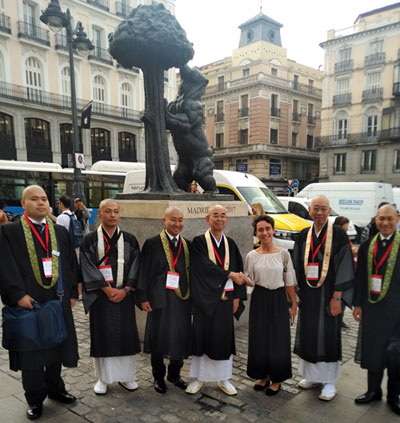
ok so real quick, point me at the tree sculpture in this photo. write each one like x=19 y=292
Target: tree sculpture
x=152 y=39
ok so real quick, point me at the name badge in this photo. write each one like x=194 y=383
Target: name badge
x=106 y=271
x=172 y=280
x=47 y=267
x=376 y=284
x=312 y=271
x=228 y=285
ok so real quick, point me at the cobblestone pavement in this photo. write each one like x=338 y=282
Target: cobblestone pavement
x=211 y=404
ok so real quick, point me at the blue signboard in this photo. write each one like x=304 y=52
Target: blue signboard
x=242 y=167
x=274 y=169
x=295 y=183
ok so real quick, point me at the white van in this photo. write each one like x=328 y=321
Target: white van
x=299 y=206
x=358 y=201
x=247 y=188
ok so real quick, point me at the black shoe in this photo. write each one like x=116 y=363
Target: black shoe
x=270 y=392
x=63 y=397
x=368 y=397
x=394 y=405
x=34 y=411
x=258 y=387
x=179 y=382
x=160 y=386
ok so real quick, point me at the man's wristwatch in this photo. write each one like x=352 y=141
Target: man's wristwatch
x=337 y=298
x=126 y=290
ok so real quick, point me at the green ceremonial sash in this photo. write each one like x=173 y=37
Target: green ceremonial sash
x=389 y=269
x=32 y=252
x=165 y=245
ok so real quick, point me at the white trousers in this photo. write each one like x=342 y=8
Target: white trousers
x=320 y=372
x=207 y=370
x=115 y=369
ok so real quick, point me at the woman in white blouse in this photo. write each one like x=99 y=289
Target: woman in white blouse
x=270 y=270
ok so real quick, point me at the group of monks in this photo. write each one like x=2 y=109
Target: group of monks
x=191 y=291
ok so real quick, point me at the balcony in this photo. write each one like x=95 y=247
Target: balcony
x=311 y=120
x=102 y=4
x=244 y=112
x=122 y=9
x=396 y=88
x=342 y=99
x=275 y=112
x=344 y=66
x=5 y=25
x=374 y=59
x=296 y=117
x=307 y=89
x=41 y=98
x=373 y=94
x=219 y=117
x=371 y=137
x=33 y=32
x=101 y=55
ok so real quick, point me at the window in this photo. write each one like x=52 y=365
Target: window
x=342 y=129
x=241 y=165
x=126 y=98
x=67 y=144
x=243 y=136
x=245 y=72
x=2 y=69
x=296 y=81
x=340 y=163
x=299 y=210
x=373 y=81
x=397 y=160
x=311 y=86
x=7 y=140
x=227 y=190
x=244 y=106
x=33 y=78
x=97 y=37
x=127 y=146
x=221 y=83
x=99 y=93
x=101 y=144
x=273 y=136
x=66 y=81
x=220 y=111
x=274 y=71
x=342 y=86
x=295 y=106
x=310 y=142
x=295 y=136
x=29 y=13
x=372 y=126
x=38 y=142
x=274 y=105
x=368 y=160
x=219 y=140
x=376 y=47
x=345 y=54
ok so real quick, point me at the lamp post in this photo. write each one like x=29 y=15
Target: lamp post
x=56 y=20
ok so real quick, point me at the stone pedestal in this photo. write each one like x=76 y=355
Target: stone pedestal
x=143 y=218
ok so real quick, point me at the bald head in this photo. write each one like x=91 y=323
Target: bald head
x=217 y=209
x=172 y=209
x=386 y=220
x=35 y=202
x=108 y=202
x=109 y=214
x=320 y=199
x=173 y=220
x=31 y=188
x=217 y=219
x=320 y=211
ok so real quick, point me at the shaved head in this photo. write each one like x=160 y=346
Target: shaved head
x=172 y=209
x=386 y=220
x=108 y=202
x=31 y=188
x=320 y=199
x=388 y=208
x=217 y=208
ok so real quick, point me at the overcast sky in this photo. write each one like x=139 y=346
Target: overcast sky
x=212 y=25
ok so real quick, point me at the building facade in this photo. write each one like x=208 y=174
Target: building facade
x=35 y=103
x=262 y=110
x=360 y=123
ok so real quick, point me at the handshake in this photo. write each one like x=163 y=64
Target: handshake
x=240 y=278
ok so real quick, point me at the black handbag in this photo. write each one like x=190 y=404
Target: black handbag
x=41 y=328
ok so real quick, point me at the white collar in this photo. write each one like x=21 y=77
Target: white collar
x=38 y=222
x=385 y=237
x=110 y=236
x=215 y=239
x=171 y=237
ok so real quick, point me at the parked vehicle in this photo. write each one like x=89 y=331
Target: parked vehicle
x=396 y=197
x=300 y=206
x=358 y=201
x=247 y=188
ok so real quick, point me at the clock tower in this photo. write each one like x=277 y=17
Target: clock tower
x=260 y=28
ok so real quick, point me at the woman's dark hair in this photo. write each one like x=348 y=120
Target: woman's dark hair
x=263 y=218
x=341 y=220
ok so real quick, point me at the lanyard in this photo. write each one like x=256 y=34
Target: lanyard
x=314 y=253
x=378 y=265
x=218 y=257
x=173 y=262
x=45 y=247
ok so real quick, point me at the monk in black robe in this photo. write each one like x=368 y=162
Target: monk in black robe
x=109 y=260
x=376 y=301
x=164 y=292
x=217 y=288
x=325 y=254
x=41 y=370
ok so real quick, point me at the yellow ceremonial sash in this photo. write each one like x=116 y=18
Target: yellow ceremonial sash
x=326 y=258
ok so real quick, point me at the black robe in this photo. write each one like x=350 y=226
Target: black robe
x=381 y=320
x=113 y=330
x=318 y=336
x=168 y=325
x=17 y=280
x=213 y=328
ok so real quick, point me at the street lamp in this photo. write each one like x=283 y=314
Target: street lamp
x=76 y=39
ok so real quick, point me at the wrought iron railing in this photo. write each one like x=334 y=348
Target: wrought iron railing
x=5 y=25
x=344 y=66
x=374 y=59
x=101 y=55
x=275 y=112
x=219 y=117
x=122 y=9
x=372 y=94
x=342 y=99
x=33 y=32
x=244 y=112
x=102 y=4
x=296 y=117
